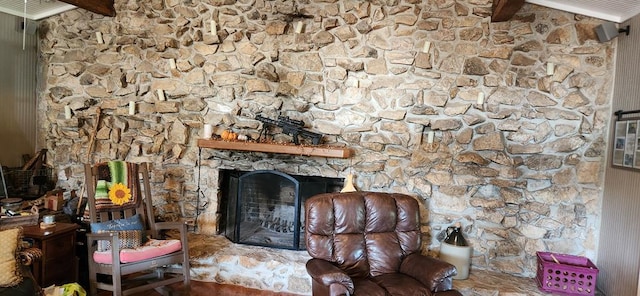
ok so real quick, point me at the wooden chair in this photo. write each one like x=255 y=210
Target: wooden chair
x=132 y=277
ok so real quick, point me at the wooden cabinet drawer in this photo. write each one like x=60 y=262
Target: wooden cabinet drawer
x=58 y=247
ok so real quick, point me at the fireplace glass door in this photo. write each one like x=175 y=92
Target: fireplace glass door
x=265 y=208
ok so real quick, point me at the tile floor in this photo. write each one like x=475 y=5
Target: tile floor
x=479 y=283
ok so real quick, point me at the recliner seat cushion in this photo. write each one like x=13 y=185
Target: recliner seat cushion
x=400 y=284
x=368 y=288
x=27 y=287
x=390 y=284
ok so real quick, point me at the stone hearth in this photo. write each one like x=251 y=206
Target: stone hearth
x=216 y=259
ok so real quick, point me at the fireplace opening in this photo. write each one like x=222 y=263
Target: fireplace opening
x=266 y=207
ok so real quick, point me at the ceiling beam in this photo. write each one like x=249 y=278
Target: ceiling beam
x=104 y=7
x=504 y=10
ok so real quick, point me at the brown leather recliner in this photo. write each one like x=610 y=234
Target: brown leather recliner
x=367 y=243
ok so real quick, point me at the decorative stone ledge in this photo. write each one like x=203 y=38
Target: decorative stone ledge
x=323 y=151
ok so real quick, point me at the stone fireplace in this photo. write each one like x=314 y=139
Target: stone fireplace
x=522 y=171
x=266 y=207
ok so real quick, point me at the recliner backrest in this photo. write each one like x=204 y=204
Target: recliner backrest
x=363 y=233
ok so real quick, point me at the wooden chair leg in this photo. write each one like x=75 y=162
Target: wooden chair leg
x=117 y=284
x=185 y=270
x=93 y=285
x=93 y=280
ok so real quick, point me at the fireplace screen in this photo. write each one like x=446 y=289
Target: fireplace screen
x=266 y=208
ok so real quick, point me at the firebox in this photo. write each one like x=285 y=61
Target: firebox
x=265 y=207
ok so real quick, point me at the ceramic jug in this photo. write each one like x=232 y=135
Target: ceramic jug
x=455 y=237
x=455 y=250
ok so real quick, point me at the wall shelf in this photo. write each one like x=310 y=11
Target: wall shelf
x=322 y=151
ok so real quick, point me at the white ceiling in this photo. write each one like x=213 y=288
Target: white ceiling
x=617 y=11
x=36 y=9
x=611 y=10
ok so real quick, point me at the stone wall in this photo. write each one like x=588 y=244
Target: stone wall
x=521 y=171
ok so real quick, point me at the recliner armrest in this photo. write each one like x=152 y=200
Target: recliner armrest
x=326 y=273
x=29 y=255
x=432 y=272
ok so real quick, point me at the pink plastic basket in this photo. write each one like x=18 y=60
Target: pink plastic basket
x=567 y=274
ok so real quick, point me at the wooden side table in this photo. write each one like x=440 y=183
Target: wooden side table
x=59 y=264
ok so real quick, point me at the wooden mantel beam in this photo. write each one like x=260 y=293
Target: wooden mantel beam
x=104 y=7
x=504 y=10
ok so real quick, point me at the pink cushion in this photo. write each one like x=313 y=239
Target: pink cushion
x=152 y=248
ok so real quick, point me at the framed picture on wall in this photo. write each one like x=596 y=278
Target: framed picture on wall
x=3 y=185
x=626 y=141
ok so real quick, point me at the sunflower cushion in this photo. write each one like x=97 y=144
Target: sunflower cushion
x=10 y=274
x=151 y=249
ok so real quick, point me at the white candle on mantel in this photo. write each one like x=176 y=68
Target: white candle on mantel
x=132 y=108
x=214 y=30
x=208 y=130
x=67 y=112
x=99 y=37
x=299 y=27
x=430 y=136
x=426 y=47
x=160 y=94
x=172 y=63
x=480 y=98
x=550 y=68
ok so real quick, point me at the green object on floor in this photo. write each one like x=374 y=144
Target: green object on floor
x=73 y=289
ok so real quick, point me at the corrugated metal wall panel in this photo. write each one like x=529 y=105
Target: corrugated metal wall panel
x=17 y=92
x=619 y=246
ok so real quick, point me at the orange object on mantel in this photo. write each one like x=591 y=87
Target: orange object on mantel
x=322 y=151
